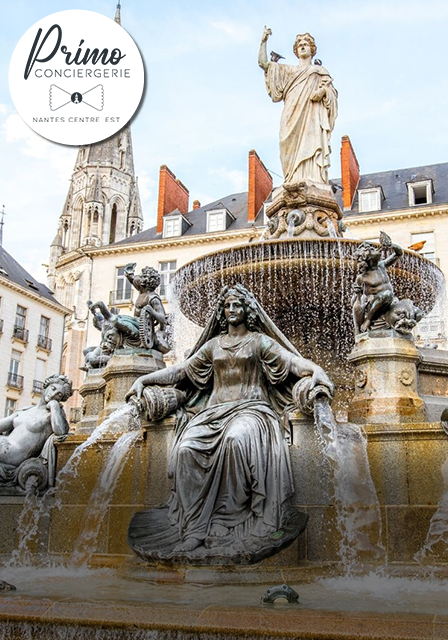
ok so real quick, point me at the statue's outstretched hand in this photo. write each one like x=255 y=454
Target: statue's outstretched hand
x=136 y=389
x=130 y=268
x=266 y=33
x=320 y=379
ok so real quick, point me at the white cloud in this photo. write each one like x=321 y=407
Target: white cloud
x=60 y=158
x=235 y=178
x=145 y=186
x=233 y=30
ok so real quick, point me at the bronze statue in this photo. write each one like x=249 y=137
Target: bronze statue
x=374 y=303
x=146 y=329
x=28 y=449
x=232 y=483
x=148 y=307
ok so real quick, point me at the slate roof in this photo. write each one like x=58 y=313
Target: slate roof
x=394 y=185
x=236 y=203
x=13 y=271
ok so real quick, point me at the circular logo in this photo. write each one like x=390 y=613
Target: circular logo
x=76 y=77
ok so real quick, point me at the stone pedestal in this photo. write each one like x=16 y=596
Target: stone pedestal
x=305 y=209
x=92 y=393
x=122 y=371
x=386 y=389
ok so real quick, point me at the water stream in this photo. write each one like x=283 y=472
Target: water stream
x=37 y=510
x=87 y=542
x=437 y=537
x=356 y=502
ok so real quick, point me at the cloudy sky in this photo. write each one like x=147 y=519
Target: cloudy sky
x=206 y=106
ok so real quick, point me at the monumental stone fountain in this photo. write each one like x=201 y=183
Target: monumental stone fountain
x=230 y=467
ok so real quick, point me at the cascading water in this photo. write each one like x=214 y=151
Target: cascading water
x=356 y=502
x=437 y=537
x=38 y=510
x=96 y=509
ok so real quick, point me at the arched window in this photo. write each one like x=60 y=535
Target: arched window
x=113 y=223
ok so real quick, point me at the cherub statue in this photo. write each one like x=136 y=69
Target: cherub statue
x=373 y=300
x=30 y=434
x=149 y=308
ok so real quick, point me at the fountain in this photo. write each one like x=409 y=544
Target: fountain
x=357 y=509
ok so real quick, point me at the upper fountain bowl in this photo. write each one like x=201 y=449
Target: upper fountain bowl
x=305 y=285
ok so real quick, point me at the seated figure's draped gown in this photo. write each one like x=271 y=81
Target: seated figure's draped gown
x=230 y=464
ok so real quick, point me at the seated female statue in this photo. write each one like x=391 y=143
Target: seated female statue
x=232 y=481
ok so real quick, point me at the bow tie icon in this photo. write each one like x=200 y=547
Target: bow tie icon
x=93 y=97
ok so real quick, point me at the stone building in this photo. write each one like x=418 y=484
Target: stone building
x=31 y=335
x=89 y=254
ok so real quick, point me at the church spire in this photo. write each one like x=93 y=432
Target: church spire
x=102 y=204
x=118 y=14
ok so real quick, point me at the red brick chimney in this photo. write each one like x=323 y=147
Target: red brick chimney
x=196 y=204
x=349 y=172
x=172 y=195
x=260 y=185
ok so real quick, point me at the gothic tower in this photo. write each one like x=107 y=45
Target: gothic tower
x=102 y=207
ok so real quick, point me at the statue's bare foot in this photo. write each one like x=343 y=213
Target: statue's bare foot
x=219 y=530
x=187 y=545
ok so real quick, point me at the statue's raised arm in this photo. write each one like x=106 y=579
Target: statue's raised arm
x=309 y=114
x=263 y=53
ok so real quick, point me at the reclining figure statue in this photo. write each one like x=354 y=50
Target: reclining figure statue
x=27 y=449
x=146 y=329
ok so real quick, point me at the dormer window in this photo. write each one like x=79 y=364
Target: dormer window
x=216 y=221
x=172 y=227
x=219 y=219
x=369 y=199
x=420 y=193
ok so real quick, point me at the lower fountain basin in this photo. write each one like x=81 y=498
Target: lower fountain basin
x=101 y=604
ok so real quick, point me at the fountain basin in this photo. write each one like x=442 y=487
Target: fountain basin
x=305 y=285
x=109 y=607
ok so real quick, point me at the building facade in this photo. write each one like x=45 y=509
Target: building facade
x=411 y=205
x=31 y=336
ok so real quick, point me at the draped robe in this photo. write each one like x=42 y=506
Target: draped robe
x=230 y=464
x=305 y=126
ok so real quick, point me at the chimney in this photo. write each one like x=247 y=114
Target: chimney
x=349 y=172
x=260 y=185
x=172 y=195
x=196 y=204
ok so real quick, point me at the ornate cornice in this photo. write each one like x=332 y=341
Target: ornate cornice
x=391 y=216
x=163 y=243
x=34 y=296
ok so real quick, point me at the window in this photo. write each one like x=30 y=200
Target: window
x=429 y=248
x=172 y=227
x=20 y=317
x=123 y=288
x=14 y=363
x=14 y=379
x=39 y=373
x=216 y=221
x=369 y=200
x=167 y=271
x=44 y=328
x=10 y=406
x=420 y=193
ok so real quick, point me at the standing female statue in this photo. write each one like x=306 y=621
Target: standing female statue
x=230 y=466
x=309 y=113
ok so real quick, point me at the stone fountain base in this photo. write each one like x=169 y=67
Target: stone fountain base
x=142 y=611
x=405 y=462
